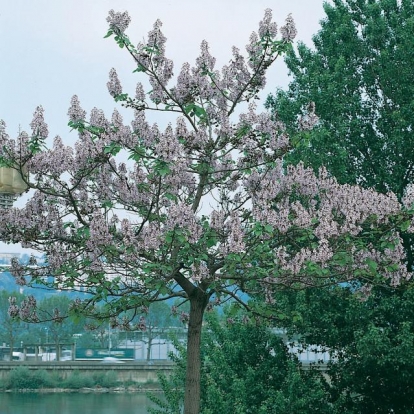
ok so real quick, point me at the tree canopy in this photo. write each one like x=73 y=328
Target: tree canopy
x=203 y=211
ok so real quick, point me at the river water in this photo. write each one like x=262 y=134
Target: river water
x=73 y=403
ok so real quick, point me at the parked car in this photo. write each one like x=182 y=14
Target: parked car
x=111 y=360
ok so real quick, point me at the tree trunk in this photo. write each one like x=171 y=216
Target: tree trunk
x=11 y=338
x=192 y=394
x=149 y=345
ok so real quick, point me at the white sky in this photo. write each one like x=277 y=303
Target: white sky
x=53 y=49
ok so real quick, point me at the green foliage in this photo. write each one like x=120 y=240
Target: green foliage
x=361 y=78
x=105 y=379
x=173 y=386
x=23 y=378
x=247 y=369
x=301 y=393
x=373 y=370
x=76 y=381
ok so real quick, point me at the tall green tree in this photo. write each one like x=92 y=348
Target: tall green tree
x=10 y=327
x=361 y=78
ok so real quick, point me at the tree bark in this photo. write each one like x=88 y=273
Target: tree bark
x=149 y=345
x=192 y=394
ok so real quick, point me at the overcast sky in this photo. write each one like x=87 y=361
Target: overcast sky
x=53 y=49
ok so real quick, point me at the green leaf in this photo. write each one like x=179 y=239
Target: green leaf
x=372 y=265
x=140 y=68
x=107 y=204
x=211 y=241
x=170 y=196
x=113 y=148
x=83 y=231
x=405 y=225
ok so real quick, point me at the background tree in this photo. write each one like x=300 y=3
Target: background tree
x=360 y=77
x=59 y=330
x=10 y=327
x=87 y=340
x=370 y=341
x=155 y=323
x=202 y=211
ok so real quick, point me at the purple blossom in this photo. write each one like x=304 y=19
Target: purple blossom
x=157 y=39
x=118 y=21
x=184 y=317
x=75 y=112
x=266 y=26
x=97 y=118
x=28 y=311
x=205 y=60
x=13 y=310
x=18 y=271
x=142 y=324
x=114 y=85
x=182 y=217
x=199 y=272
x=235 y=242
x=3 y=134
x=168 y=147
x=38 y=124
x=289 y=31
x=408 y=198
x=139 y=92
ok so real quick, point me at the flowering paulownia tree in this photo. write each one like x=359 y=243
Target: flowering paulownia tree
x=200 y=211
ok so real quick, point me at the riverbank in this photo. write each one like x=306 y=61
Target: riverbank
x=74 y=380
x=86 y=390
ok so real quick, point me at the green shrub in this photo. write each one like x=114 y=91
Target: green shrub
x=20 y=378
x=23 y=378
x=107 y=380
x=43 y=379
x=56 y=379
x=130 y=383
x=76 y=381
x=4 y=384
